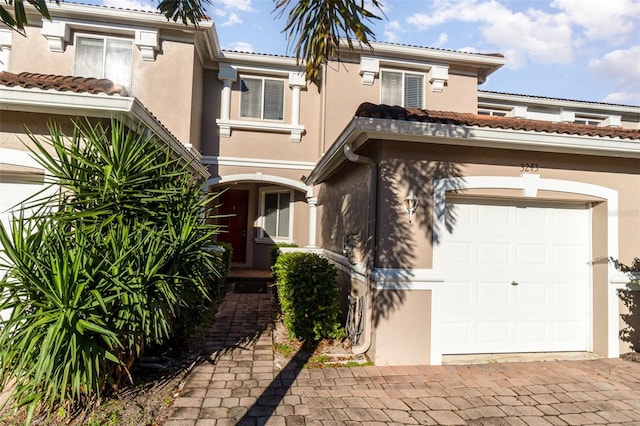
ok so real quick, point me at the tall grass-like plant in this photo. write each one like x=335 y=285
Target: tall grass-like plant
x=101 y=269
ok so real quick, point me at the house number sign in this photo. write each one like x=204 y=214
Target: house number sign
x=529 y=167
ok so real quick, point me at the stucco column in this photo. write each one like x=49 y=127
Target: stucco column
x=313 y=204
x=297 y=82
x=228 y=75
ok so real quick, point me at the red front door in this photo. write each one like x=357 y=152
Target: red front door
x=234 y=202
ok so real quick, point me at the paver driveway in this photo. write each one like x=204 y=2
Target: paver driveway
x=239 y=384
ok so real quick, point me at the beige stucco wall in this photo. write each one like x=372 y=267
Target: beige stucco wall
x=402 y=329
x=344 y=199
x=344 y=92
x=169 y=86
x=412 y=167
x=261 y=144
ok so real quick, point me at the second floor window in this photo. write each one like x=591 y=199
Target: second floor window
x=262 y=98
x=403 y=89
x=104 y=57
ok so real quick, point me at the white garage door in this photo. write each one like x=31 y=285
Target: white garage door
x=517 y=279
x=13 y=190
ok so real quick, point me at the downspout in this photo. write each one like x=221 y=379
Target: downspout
x=371 y=220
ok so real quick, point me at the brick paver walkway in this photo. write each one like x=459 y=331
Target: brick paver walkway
x=239 y=384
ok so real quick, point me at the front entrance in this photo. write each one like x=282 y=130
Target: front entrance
x=234 y=205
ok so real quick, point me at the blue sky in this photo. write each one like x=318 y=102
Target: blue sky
x=575 y=49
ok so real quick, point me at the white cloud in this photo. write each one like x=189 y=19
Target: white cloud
x=229 y=9
x=130 y=4
x=241 y=5
x=532 y=35
x=601 y=20
x=391 y=31
x=241 y=46
x=623 y=68
x=443 y=38
x=232 y=19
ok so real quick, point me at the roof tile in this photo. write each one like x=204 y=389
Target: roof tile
x=495 y=122
x=62 y=83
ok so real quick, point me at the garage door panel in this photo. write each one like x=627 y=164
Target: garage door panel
x=531 y=254
x=489 y=216
x=528 y=332
x=545 y=251
x=493 y=253
x=491 y=293
x=460 y=294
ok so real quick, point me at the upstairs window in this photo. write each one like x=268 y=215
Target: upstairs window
x=276 y=215
x=403 y=89
x=104 y=57
x=589 y=121
x=262 y=98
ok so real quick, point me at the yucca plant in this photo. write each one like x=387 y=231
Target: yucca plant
x=101 y=269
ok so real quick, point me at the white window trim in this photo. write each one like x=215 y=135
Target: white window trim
x=261 y=118
x=228 y=74
x=104 y=38
x=405 y=72
x=262 y=239
x=58 y=32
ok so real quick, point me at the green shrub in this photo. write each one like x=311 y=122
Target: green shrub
x=308 y=295
x=275 y=251
x=103 y=268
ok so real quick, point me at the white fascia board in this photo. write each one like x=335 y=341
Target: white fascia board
x=93 y=105
x=510 y=99
x=488 y=64
x=362 y=129
x=246 y=60
x=65 y=103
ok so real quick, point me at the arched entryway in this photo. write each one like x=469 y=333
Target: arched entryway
x=258 y=210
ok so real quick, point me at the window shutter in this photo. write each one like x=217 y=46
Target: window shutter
x=413 y=91
x=391 y=88
x=273 y=99
x=251 y=97
x=89 y=57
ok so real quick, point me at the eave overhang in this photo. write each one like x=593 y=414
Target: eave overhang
x=127 y=109
x=361 y=130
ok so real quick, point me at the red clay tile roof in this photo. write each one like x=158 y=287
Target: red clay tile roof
x=466 y=119
x=62 y=83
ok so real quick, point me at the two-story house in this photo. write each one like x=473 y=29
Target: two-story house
x=462 y=221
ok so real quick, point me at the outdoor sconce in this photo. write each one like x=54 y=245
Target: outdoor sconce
x=347 y=246
x=410 y=204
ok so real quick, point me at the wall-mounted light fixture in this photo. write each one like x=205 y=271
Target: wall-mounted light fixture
x=347 y=246
x=410 y=204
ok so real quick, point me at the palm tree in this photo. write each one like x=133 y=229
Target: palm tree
x=314 y=27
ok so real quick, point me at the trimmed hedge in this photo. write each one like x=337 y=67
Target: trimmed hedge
x=275 y=251
x=308 y=295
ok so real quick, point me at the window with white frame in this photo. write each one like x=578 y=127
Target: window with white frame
x=104 y=57
x=590 y=121
x=276 y=214
x=402 y=88
x=262 y=98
